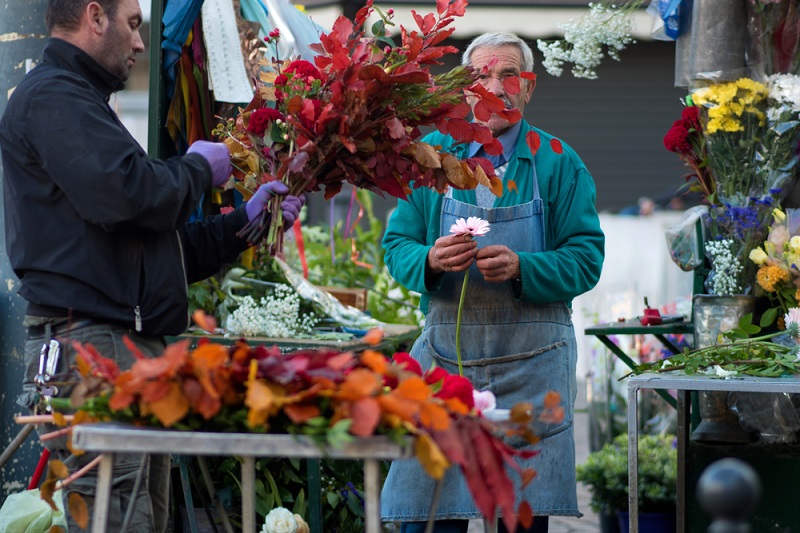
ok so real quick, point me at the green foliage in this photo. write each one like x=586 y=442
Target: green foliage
x=741 y=350
x=606 y=473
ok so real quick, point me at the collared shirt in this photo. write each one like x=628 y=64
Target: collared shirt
x=508 y=139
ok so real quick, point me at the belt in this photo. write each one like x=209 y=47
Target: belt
x=58 y=327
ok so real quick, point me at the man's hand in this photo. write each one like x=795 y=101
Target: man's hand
x=498 y=263
x=453 y=253
x=290 y=206
x=218 y=157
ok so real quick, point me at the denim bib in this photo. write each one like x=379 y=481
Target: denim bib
x=519 y=350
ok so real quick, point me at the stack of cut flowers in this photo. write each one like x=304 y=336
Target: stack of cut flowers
x=355 y=114
x=332 y=397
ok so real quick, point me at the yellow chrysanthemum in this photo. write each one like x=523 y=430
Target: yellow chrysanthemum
x=769 y=276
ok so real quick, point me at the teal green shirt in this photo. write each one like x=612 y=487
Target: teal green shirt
x=573 y=259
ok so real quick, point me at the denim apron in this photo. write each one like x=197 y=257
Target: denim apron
x=518 y=350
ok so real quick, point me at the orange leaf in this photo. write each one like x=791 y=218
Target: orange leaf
x=430 y=457
x=552 y=416
x=78 y=509
x=434 y=416
x=263 y=400
x=555 y=144
x=525 y=514
x=164 y=366
x=207 y=322
x=552 y=399
x=375 y=361
x=527 y=475
x=359 y=383
x=413 y=388
x=512 y=185
x=365 y=413
x=521 y=413
x=396 y=404
x=373 y=336
x=172 y=407
x=59 y=420
x=301 y=412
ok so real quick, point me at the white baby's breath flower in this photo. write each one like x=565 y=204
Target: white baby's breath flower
x=276 y=315
x=726 y=268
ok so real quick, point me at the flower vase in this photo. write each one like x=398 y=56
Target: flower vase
x=713 y=315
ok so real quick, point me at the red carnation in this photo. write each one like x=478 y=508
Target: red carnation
x=691 y=117
x=260 y=119
x=457 y=387
x=280 y=80
x=677 y=139
x=302 y=69
x=406 y=362
x=435 y=375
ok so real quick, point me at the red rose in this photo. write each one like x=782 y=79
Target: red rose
x=677 y=139
x=406 y=362
x=457 y=387
x=261 y=118
x=302 y=69
x=435 y=374
x=691 y=117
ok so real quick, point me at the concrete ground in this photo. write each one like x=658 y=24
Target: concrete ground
x=589 y=522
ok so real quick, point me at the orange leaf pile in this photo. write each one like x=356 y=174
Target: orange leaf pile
x=213 y=387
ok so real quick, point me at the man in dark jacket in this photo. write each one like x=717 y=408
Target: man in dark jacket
x=97 y=231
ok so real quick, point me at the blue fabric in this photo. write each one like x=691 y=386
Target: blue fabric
x=179 y=16
x=256 y=11
x=508 y=139
x=518 y=350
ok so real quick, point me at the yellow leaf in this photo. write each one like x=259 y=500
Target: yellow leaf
x=430 y=457
x=78 y=509
x=263 y=401
x=59 y=420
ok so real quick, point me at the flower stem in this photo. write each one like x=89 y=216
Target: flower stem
x=458 y=321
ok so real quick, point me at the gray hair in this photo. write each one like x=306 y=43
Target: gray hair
x=500 y=38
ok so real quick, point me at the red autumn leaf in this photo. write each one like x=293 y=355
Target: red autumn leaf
x=511 y=85
x=200 y=400
x=395 y=128
x=96 y=364
x=366 y=413
x=481 y=133
x=299 y=413
x=359 y=383
x=493 y=473
x=342 y=27
x=163 y=366
x=172 y=407
x=460 y=130
x=451 y=443
x=441 y=6
x=530 y=76
x=373 y=336
x=439 y=37
x=473 y=475
x=534 y=141
x=555 y=144
x=493 y=148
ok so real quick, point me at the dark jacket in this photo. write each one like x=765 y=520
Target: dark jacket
x=92 y=223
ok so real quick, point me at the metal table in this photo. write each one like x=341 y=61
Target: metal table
x=634 y=327
x=108 y=438
x=683 y=384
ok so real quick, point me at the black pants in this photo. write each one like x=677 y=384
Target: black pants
x=540 y=525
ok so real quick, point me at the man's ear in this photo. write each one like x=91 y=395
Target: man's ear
x=530 y=85
x=96 y=17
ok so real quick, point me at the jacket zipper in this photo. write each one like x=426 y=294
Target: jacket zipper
x=185 y=279
x=138 y=318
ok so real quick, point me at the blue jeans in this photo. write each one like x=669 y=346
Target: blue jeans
x=151 y=506
x=540 y=525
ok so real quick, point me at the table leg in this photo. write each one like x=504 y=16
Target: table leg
x=683 y=432
x=249 y=494
x=372 y=495
x=616 y=350
x=633 y=460
x=490 y=526
x=102 y=493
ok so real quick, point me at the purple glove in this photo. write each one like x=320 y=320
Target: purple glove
x=218 y=157
x=290 y=206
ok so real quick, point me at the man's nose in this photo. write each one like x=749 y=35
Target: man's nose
x=138 y=43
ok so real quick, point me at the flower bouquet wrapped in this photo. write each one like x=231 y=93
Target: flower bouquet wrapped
x=329 y=396
x=774 y=39
x=354 y=116
x=778 y=261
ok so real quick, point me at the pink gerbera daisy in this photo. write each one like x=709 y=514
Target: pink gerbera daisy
x=472 y=226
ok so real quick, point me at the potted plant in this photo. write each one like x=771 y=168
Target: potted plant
x=606 y=473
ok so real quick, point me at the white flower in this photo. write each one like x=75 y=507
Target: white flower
x=280 y=520
x=726 y=267
x=276 y=315
x=758 y=256
x=720 y=372
x=484 y=400
x=472 y=226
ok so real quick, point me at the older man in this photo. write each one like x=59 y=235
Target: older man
x=544 y=248
x=97 y=231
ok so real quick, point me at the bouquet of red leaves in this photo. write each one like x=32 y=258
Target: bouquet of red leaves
x=354 y=116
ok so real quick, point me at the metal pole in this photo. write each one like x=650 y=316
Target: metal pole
x=22 y=34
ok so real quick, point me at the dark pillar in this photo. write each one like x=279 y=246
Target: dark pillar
x=22 y=34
